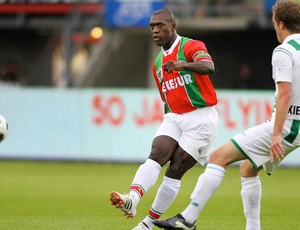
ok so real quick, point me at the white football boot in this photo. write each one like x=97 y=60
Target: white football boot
x=124 y=202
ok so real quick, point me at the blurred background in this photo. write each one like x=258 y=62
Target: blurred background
x=75 y=75
x=79 y=43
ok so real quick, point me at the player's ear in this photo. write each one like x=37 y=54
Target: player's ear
x=281 y=25
x=173 y=27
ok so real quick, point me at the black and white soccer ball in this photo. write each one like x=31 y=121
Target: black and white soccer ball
x=3 y=128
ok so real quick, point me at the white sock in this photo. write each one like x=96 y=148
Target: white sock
x=145 y=177
x=251 y=195
x=165 y=196
x=207 y=184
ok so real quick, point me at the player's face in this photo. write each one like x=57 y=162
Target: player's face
x=162 y=30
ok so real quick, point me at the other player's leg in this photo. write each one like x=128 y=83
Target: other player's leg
x=207 y=184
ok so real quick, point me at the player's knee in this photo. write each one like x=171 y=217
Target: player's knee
x=178 y=168
x=247 y=169
x=175 y=171
x=214 y=158
x=159 y=156
x=218 y=158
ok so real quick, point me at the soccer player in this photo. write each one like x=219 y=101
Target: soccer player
x=265 y=145
x=181 y=71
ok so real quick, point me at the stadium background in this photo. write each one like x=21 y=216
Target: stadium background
x=79 y=73
x=79 y=103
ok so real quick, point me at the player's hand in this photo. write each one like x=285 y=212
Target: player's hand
x=276 y=149
x=172 y=65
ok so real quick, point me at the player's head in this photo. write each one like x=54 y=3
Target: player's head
x=286 y=18
x=163 y=28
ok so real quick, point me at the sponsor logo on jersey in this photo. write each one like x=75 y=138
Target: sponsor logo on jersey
x=294 y=109
x=176 y=82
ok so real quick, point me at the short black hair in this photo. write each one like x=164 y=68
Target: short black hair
x=168 y=13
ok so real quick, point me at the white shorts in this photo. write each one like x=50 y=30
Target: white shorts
x=255 y=143
x=194 y=131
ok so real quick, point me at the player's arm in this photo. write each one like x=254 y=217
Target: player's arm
x=282 y=107
x=282 y=68
x=199 y=60
x=201 y=67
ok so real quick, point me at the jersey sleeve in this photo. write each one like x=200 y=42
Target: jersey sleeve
x=196 y=51
x=282 y=64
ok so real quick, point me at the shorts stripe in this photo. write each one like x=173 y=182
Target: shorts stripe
x=243 y=152
x=293 y=132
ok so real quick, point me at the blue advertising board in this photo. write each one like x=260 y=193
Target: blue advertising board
x=130 y=13
x=268 y=4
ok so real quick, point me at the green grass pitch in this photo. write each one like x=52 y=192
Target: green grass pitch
x=75 y=196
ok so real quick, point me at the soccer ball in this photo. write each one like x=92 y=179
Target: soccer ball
x=3 y=128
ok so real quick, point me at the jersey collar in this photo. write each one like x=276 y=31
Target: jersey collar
x=170 y=50
x=292 y=36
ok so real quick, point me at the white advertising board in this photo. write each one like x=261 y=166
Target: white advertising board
x=108 y=124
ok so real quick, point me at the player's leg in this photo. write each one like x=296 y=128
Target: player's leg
x=251 y=194
x=211 y=179
x=255 y=144
x=163 y=146
x=168 y=190
x=145 y=178
x=258 y=150
x=199 y=131
x=207 y=184
x=146 y=175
